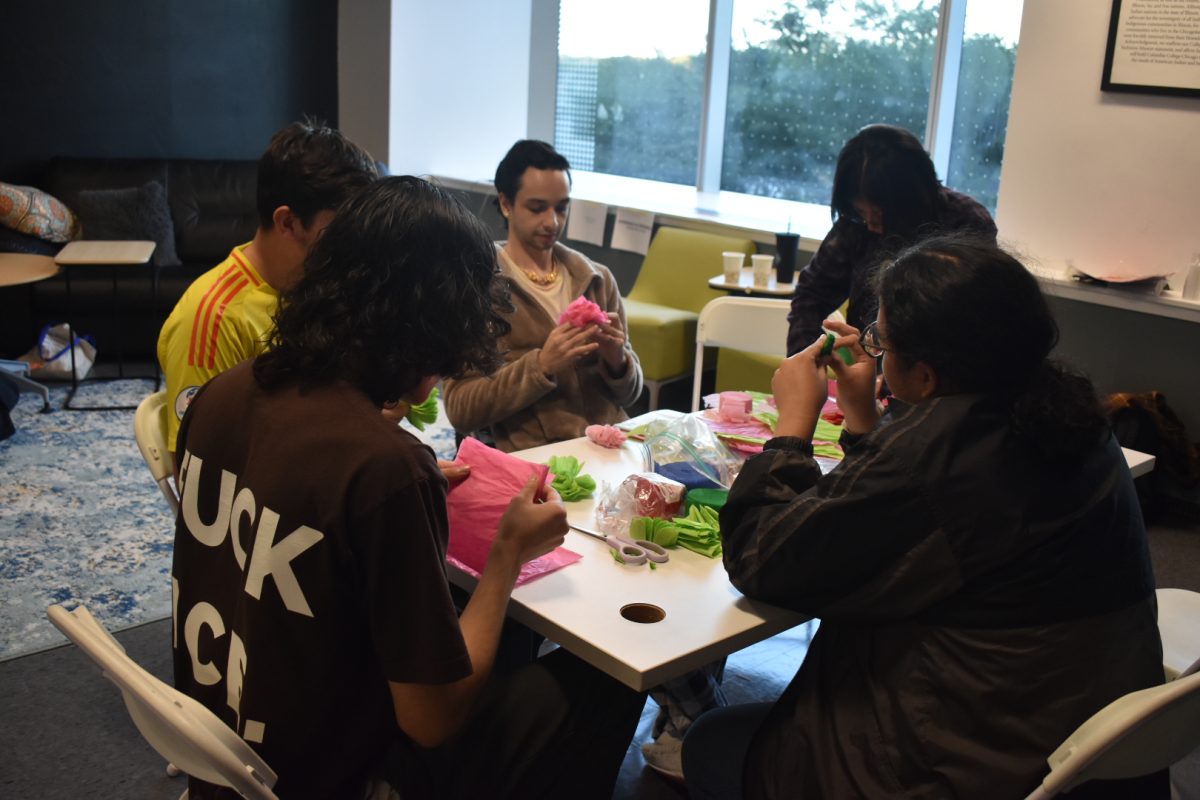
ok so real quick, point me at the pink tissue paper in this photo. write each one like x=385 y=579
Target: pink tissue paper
x=583 y=312
x=475 y=506
x=605 y=435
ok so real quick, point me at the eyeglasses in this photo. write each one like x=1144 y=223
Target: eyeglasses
x=870 y=342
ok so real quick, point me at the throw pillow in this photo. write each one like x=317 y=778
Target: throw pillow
x=31 y=211
x=138 y=213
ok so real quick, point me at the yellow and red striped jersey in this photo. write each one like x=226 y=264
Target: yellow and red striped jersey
x=222 y=319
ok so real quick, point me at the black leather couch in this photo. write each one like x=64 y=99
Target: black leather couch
x=212 y=209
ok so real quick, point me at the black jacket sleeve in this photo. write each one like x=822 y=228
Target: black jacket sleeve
x=859 y=543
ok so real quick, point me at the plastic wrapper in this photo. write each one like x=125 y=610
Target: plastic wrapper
x=643 y=494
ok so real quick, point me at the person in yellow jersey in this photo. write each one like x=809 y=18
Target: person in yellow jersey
x=225 y=316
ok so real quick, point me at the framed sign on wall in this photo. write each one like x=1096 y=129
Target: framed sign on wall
x=1153 y=48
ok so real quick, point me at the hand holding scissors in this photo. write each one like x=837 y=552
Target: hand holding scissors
x=632 y=552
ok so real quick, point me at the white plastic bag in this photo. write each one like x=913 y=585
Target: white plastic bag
x=55 y=353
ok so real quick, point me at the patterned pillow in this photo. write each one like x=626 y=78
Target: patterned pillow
x=36 y=213
x=140 y=213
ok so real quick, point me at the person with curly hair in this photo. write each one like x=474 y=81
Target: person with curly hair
x=312 y=610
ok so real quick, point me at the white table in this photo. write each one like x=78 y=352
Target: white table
x=745 y=285
x=1139 y=463
x=579 y=606
x=92 y=253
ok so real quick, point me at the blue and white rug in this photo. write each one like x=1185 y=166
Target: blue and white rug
x=81 y=520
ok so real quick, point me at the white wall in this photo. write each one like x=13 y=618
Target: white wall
x=459 y=85
x=1105 y=179
x=1109 y=180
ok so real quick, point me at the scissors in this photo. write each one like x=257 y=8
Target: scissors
x=633 y=552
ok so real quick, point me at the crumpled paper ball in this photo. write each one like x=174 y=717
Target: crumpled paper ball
x=605 y=435
x=583 y=312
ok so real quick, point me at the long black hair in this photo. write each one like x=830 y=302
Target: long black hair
x=888 y=167
x=402 y=285
x=977 y=317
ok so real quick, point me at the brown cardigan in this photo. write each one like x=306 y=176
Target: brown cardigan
x=526 y=408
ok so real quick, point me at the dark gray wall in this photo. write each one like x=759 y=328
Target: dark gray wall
x=159 y=78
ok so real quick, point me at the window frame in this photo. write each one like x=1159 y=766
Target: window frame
x=710 y=202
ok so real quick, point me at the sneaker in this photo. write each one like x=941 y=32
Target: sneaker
x=665 y=756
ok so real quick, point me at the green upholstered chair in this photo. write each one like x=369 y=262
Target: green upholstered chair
x=665 y=302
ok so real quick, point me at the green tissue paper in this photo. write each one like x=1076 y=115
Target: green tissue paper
x=569 y=484
x=425 y=413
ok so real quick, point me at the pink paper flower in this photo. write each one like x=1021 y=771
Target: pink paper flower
x=583 y=312
x=605 y=435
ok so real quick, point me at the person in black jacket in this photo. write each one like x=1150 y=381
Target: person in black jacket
x=886 y=196
x=978 y=562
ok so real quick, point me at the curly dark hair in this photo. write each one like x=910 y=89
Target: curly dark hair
x=402 y=285
x=309 y=167
x=976 y=316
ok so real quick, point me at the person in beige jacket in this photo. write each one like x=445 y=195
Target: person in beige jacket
x=557 y=379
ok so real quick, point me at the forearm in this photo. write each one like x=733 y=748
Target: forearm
x=820 y=288
x=626 y=383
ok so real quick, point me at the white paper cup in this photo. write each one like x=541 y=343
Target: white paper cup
x=763 y=265
x=733 y=265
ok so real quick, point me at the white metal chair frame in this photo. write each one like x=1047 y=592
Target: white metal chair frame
x=753 y=324
x=1179 y=628
x=152 y=442
x=1134 y=735
x=178 y=727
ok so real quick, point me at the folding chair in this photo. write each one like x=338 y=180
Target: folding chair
x=1134 y=735
x=1179 y=627
x=179 y=728
x=149 y=430
x=754 y=324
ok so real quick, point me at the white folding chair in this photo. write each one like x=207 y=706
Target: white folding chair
x=1134 y=735
x=754 y=324
x=1179 y=627
x=148 y=429
x=179 y=728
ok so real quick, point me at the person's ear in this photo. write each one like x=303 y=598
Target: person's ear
x=924 y=381
x=505 y=205
x=288 y=224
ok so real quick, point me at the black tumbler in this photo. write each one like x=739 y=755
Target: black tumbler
x=786 y=247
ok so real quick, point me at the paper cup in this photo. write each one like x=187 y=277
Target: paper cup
x=733 y=265
x=762 y=268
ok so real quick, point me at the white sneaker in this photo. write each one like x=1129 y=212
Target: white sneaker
x=665 y=756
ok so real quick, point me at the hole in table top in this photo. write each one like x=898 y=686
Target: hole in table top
x=643 y=613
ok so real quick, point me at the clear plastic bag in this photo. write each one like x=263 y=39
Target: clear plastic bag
x=642 y=494
x=689 y=442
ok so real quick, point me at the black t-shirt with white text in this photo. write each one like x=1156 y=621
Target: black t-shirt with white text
x=308 y=572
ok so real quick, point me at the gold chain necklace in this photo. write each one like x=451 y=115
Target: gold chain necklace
x=539 y=278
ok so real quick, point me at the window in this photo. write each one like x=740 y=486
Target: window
x=788 y=84
x=630 y=86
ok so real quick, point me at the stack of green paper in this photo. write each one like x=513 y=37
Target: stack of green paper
x=699 y=531
x=425 y=413
x=569 y=484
